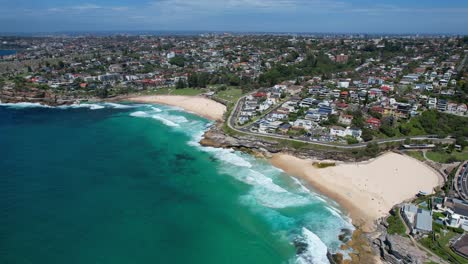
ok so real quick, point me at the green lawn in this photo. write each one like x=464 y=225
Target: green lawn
x=441 y=246
x=396 y=225
x=443 y=157
x=173 y=91
x=230 y=94
x=416 y=154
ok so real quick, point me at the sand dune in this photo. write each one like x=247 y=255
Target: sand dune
x=197 y=104
x=367 y=190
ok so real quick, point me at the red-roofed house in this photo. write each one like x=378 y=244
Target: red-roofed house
x=344 y=94
x=377 y=109
x=260 y=94
x=341 y=106
x=345 y=119
x=373 y=123
x=385 y=88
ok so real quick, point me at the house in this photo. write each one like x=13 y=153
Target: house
x=423 y=221
x=337 y=131
x=325 y=109
x=373 y=123
x=431 y=103
x=442 y=105
x=265 y=126
x=314 y=90
x=419 y=220
x=457 y=220
x=409 y=212
x=302 y=124
x=260 y=95
x=342 y=58
x=313 y=115
x=345 y=119
x=307 y=102
x=284 y=128
x=341 y=106
x=461 y=109
x=343 y=84
x=353 y=132
x=344 y=94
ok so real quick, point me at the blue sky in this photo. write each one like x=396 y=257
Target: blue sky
x=344 y=16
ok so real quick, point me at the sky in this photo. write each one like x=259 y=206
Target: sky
x=324 y=16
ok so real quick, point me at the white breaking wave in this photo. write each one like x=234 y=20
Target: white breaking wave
x=91 y=106
x=24 y=105
x=333 y=211
x=165 y=121
x=316 y=252
x=140 y=114
x=155 y=109
x=120 y=106
x=96 y=107
x=227 y=156
x=270 y=191
x=279 y=200
x=176 y=119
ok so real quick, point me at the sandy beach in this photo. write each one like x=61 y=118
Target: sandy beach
x=196 y=104
x=367 y=190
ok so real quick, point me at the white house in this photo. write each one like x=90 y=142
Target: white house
x=343 y=84
x=337 y=131
x=302 y=123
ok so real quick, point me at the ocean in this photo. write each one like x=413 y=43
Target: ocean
x=7 y=52
x=129 y=183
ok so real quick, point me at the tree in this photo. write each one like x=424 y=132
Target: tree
x=387 y=130
x=358 y=120
x=367 y=134
x=372 y=149
x=203 y=79
x=351 y=140
x=234 y=80
x=61 y=64
x=102 y=92
x=180 y=84
x=178 y=61
x=193 y=80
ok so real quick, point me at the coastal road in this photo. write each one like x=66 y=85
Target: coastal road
x=461 y=180
x=231 y=123
x=462 y=64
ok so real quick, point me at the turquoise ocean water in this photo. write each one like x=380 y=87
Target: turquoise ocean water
x=125 y=183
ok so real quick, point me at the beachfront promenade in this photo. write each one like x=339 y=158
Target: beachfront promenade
x=231 y=122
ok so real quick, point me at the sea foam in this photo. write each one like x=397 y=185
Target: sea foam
x=24 y=105
x=165 y=121
x=316 y=251
x=270 y=191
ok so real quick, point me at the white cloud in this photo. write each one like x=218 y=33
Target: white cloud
x=85 y=7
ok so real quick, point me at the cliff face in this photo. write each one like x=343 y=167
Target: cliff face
x=33 y=95
x=215 y=137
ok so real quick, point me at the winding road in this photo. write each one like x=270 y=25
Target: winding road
x=243 y=130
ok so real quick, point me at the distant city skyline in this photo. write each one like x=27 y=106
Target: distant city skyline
x=331 y=16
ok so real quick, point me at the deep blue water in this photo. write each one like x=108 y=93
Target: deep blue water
x=115 y=183
x=7 y=52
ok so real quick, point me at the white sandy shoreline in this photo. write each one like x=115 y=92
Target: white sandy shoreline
x=367 y=190
x=198 y=105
